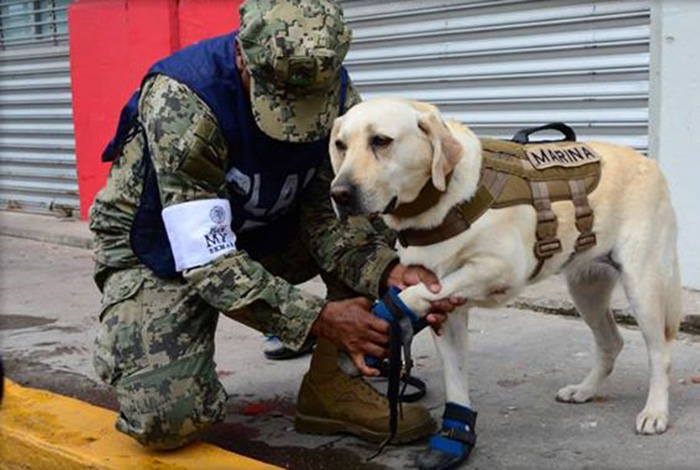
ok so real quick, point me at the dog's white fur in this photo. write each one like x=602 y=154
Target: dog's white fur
x=491 y=262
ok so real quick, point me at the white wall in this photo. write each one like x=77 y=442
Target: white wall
x=675 y=119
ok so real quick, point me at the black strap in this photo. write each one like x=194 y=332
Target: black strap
x=394 y=309
x=392 y=391
x=523 y=136
x=407 y=379
x=420 y=325
x=461 y=435
x=395 y=393
x=415 y=382
x=462 y=415
x=418 y=384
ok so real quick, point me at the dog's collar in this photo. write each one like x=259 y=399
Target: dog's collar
x=428 y=197
x=462 y=215
x=458 y=219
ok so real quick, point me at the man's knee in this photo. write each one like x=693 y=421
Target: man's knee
x=165 y=410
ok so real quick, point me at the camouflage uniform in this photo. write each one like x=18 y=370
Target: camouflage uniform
x=155 y=343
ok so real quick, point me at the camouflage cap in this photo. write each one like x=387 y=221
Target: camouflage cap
x=294 y=49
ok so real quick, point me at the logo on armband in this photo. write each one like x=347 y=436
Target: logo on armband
x=218 y=239
x=217 y=214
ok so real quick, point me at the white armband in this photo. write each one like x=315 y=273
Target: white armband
x=199 y=231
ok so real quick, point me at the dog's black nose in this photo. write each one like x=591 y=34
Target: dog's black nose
x=342 y=194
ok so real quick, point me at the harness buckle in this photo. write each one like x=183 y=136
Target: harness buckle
x=585 y=241
x=547 y=247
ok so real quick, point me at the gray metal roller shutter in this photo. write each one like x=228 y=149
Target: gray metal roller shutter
x=37 y=149
x=501 y=65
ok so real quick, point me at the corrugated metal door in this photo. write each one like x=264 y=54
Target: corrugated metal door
x=37 y=150
x=501 y=65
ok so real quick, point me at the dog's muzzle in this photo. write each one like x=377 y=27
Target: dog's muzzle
x=344 y=196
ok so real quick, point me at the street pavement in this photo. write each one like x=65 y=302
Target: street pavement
x=48 y=308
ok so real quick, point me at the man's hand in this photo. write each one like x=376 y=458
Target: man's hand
x=351 y=326
x=403 y=276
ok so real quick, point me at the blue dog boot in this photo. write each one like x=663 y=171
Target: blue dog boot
x=455 y=441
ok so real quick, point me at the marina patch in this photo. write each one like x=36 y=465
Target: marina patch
x=569 y=155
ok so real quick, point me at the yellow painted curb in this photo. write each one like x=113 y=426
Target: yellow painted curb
x=44 y=431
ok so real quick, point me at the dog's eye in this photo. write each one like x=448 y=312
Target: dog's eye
x=379 y=141
x=340 y=145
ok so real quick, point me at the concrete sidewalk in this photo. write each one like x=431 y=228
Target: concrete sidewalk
x=519 y=360
x=46 y=228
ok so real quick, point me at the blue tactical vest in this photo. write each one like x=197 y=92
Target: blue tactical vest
x=265 y=176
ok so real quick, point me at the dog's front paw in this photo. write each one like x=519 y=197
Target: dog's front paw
x=455 y=441
x=438 y=460
x=417 y=298
x=575 y=394
x=652 y=422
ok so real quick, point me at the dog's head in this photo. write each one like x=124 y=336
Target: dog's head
x=384 y=151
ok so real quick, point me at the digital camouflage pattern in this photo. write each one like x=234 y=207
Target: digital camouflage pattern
x=155 y=343
x=294 y=49
x=171 y=116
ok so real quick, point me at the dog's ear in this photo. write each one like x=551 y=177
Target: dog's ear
x=446 y=149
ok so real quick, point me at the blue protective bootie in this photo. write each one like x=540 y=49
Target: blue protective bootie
x=454 y=442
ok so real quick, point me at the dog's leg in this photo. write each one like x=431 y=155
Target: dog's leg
x=647 y=255
x=646 y=296
x=452 y=347
x=457 y=436
x=591 y=289
x=486 y=280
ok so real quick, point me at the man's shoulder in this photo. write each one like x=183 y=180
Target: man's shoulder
x=161 y=90
x=174 y=109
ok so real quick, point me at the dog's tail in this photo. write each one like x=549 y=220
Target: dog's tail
x=674 y=304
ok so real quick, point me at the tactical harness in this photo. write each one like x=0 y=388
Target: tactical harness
x=514 y=172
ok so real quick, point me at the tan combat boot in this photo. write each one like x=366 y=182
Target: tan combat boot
x=331 y=402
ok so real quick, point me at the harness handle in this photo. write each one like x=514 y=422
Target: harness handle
x=523 y=135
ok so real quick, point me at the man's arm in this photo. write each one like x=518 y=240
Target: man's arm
x=189 y=155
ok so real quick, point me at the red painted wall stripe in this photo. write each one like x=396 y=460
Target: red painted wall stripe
x=112 y=44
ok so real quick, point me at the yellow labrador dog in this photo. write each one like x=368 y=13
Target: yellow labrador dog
x=384 y=151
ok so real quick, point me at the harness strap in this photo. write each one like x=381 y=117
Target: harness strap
x=461 y=216
x=547 y=244
x=584 y=216
x=452 y=225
